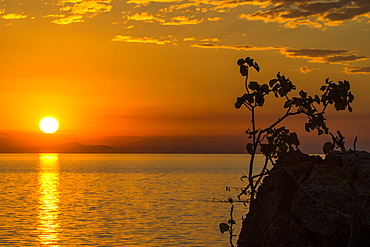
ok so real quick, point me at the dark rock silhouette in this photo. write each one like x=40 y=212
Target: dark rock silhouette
x=282 y=215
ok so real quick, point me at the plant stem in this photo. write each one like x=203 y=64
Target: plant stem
x=263 y=170
x=287 y=114
x=251 y=163
x=231 y=225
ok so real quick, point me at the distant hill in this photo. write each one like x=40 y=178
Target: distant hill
x=192 y=144
x=72 y=147
x=143 y=144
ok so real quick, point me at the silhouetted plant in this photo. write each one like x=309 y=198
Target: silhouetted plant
x=229 y=226
x=273 y=141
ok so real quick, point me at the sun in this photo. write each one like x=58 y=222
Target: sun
x=49 y=125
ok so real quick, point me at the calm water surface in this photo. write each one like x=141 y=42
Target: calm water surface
x=117 y=199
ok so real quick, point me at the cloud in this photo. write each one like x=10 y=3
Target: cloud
x=182 y=6
x=216 y=18
x=222 y=6
x=189 y=39
x=234 y=47
x=295 y=24
x=199 y=5
x=313 y=55
x=146 y=2
x=144 y=16
x=86 y=7
x=357 y=70
x=288 y=13
x=324 y=56
x=210 y=40
x=78 y=9
x=312 y=13
x=68 y=20
x=189 y=12
x=182 y=20
x=13 y=16
x=345 y=58
x=146 y=40
x=276 y=17
x=304 y=69
x=54 y=16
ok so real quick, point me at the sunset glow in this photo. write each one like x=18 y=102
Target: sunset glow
x=129 y=70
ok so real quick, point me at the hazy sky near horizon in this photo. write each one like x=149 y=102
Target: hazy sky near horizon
x=168 y=67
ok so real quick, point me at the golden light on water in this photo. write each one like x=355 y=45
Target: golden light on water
x=48 y=207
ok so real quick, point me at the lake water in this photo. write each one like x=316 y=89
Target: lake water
x=117 y=199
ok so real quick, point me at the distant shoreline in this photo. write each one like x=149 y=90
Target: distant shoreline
x=51 y=152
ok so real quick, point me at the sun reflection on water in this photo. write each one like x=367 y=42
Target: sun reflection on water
x=48 y=209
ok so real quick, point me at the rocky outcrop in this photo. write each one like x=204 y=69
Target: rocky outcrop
x=282 y=215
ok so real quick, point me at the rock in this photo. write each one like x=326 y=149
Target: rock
x=283 y=215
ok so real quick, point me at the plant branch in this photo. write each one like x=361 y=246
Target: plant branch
x=262 y=174
x=248 y=106
x=287 y=114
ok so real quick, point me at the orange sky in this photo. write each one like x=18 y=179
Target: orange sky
x=168 y=67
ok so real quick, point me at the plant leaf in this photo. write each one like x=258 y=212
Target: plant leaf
x=255 y=65
x=328 y=147
x=265 y=88
x=224 y=227
x=307 y=127
x=260 y=99
x=241 y=62
x=231 y=222
x=244 y=70
x=294 y=139
x=272 y=82
x=254 y=85
x=250 y=148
